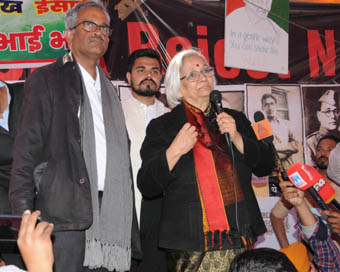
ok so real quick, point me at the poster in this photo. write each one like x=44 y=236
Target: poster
x=256 y=35
x=31 y=32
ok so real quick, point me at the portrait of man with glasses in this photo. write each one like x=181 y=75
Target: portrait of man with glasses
x=323 y=120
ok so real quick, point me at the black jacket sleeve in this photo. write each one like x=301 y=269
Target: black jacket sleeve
x=154 y=174
x=32 y=129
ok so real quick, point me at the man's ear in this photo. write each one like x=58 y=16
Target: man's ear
x=68 y=34
x=318 y=115
x=128 y=77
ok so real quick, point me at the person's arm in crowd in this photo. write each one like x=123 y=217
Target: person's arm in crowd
x=34 y=242
x=313 y=230
x=333 y=169
x=333 y=219
x=279 y=230
x=326 y=253
x=297 y=199
x=277 y=215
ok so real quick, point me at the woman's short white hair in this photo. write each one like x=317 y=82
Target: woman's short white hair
x=172 y=77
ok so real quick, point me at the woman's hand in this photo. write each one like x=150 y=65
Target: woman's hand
x=227 y=124
x=182 y=144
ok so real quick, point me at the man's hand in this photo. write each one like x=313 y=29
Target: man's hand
x=296 y=197
x=34 y=242
x=292 y=194
x=333 y=220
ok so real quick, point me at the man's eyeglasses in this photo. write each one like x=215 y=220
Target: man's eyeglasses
x=92 y=27
x=329 y=112
x=195 y=75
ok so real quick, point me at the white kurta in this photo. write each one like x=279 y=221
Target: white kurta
x=137 y=117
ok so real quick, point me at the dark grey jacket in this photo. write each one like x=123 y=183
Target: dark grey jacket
x=48 y=131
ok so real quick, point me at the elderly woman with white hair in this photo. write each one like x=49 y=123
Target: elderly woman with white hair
x=209 y=211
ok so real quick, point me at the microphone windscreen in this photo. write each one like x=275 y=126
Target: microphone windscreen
x=215 y=96
x=258 y=116
x=306 y=176
x=262 y=129
x=324 y=189
x=301 y=178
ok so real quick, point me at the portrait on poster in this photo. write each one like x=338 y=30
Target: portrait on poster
x=281 y=106
x=321 y=105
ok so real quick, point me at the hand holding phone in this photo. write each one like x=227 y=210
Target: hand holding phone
x=34 y=242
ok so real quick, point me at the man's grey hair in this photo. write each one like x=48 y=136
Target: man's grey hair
x=71 y=15
x=172 y=79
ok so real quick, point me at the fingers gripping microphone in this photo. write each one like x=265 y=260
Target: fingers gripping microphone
x=264 y=132
x=303 y=179
x=216 y=101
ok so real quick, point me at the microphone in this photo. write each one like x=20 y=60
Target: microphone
x=262 y=128
x=324 y=189
x=264 y=132
x=216 y=101
x=303 y=179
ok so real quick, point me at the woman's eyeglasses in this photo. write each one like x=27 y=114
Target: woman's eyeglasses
x=195 y=75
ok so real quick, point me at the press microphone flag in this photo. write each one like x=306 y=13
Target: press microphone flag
x=303 y=179
x=264 y=132
x=262 y=127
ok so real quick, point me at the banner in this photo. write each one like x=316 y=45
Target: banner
x=31 y=32
x=169 y=26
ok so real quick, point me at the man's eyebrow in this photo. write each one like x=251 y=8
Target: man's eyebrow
x=153 y=68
